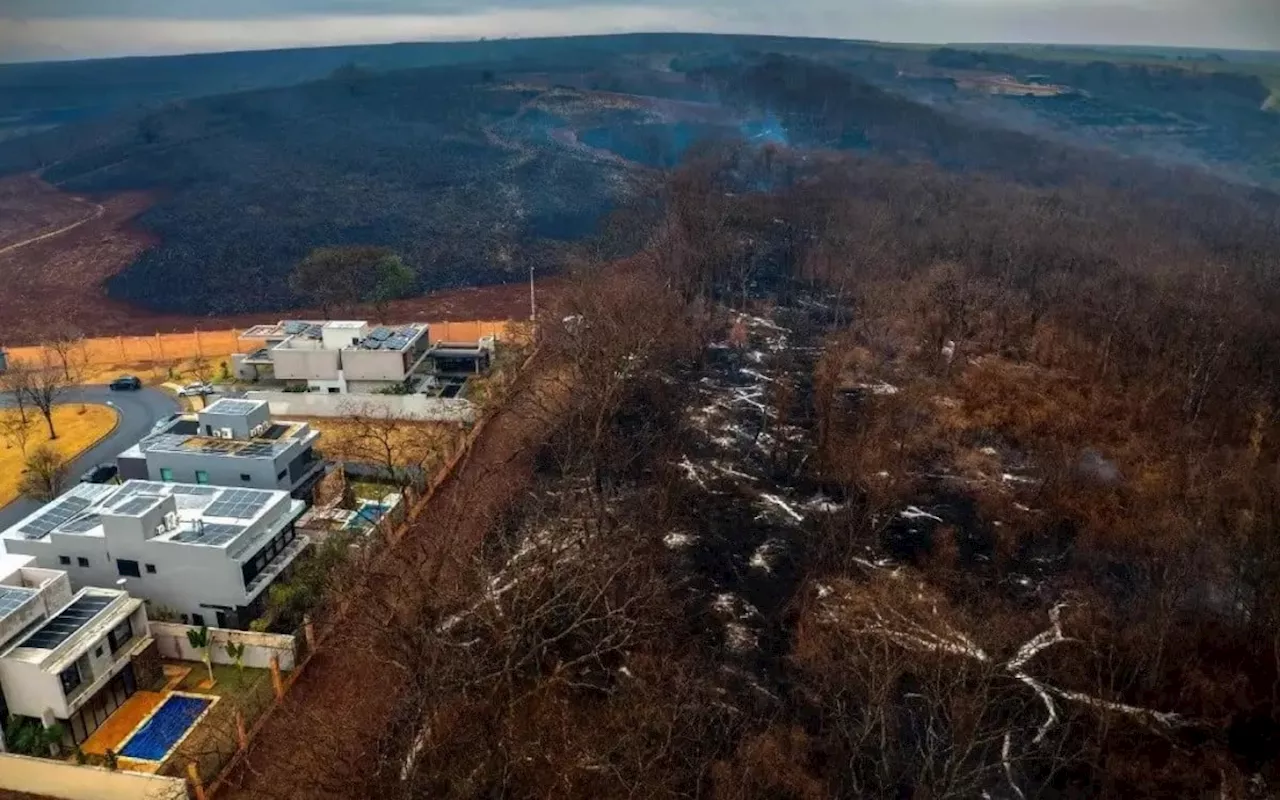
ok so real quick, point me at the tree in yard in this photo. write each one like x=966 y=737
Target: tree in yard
x=67 y=347
x=45 y=475
x=46 y=385
x=16 y=429
x=200 y=640
x=236 y=653
x=391 y=279
x=202 y=369
x=16 y=382
x=404 y=449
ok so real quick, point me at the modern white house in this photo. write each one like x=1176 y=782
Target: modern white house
x=334 y=357
x=232 y=442
x=202 y=554
x=68 y=659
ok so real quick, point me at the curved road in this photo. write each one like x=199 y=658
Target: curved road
x=138 y=411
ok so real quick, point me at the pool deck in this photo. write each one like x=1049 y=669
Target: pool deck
x=121 y=723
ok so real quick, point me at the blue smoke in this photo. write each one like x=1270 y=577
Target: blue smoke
x=764 y=131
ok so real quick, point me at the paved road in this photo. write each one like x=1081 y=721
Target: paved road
x=139 y=411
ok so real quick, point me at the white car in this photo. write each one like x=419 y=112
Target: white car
x=198 y=389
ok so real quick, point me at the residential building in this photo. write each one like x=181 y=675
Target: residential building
x=232 y=442
x=335 y=357
x=203 y=554
x=68 y=659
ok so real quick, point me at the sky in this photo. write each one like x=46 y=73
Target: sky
x=59 y=29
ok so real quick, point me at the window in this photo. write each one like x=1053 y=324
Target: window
x=64 y=560
x=197 y=619
x=166 y=474
x=83 y=562
x=151 y=569
x=128 y=568
x=333 y=390
x=280 y=475
x=186 y=620
x=202 y=476
x=120 y=635
x=97 y=652
x=70 y=678
x=246 y=477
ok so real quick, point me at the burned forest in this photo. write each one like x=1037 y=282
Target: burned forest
x=858 y=479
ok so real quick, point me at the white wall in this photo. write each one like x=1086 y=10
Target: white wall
x=48 y=778
x=409 y=406
x=171 y=639
x=29 y=690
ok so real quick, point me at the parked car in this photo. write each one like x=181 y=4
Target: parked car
x=103 y=473
x=126 y=383
x=198 y=389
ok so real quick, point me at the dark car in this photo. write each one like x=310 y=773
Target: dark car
x=103 y=473
x=126 y=383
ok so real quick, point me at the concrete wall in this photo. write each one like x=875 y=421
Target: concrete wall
x=171 y=638
x=54 y=593
x=409 y=406
x=374 y=365
x=42 y=776
x=293 y=363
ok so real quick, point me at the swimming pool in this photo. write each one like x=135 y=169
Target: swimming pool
x=368 y=515
x=167 y=725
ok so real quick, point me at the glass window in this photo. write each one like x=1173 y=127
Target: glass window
x=202 y=476
x=64 y=560
x=120 y=635
x=280 y=475
x=166 y=474
x=197 y=619
x=244 y=476
x=151 y=569
x=128 y=568
x=70 y=678
x=84 y=562
x=97 y=652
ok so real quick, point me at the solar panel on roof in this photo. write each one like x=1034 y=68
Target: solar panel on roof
x=395 y=343
x=232 y=406
x=408 y=332
x=202 y=491
x=213 y=534
x=12 y=598
x=293 y=328
x=314 y=331
x=136 y=504
x=256 y=450
x=53 y=516
x=66 y=622
x=81 y=524
x=238 y=504
x=379 y=333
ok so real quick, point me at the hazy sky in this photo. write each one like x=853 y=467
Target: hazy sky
x=40 y=29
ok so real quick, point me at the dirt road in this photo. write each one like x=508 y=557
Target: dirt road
x=335 y=713
x=97 y=212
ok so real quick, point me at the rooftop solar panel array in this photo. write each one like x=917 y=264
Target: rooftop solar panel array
x=136 y=504
x=238 y=503
x=53 y=516
x=213 y=534
x=67 y=622
x=12 y=598
x=379 y=334
x=81 y=524
x=232 y=406
x=293 y=328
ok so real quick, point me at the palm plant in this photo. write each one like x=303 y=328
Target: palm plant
x=199 y=640
x=236 y=653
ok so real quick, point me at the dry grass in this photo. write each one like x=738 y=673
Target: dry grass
x=342 y=438
x=77 y=431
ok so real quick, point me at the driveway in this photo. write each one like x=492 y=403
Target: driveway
x=138 y=410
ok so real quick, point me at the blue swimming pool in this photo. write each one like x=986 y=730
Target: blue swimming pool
x=170 y=721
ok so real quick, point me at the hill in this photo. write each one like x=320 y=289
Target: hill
x=500 y=155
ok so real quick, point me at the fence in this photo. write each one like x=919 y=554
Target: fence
x=405 y=406
x=48 y=778
x=171 y=639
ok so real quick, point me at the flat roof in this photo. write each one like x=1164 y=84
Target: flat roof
x=90 y=614
x=346 y=324
x=212 y=516
x=233 y=407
